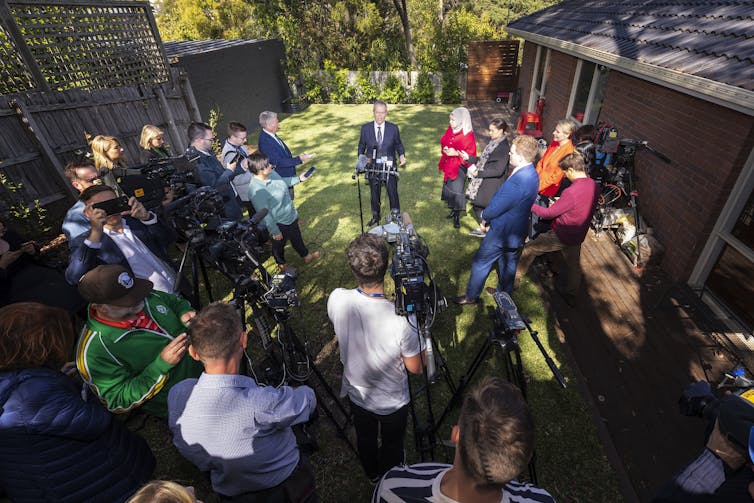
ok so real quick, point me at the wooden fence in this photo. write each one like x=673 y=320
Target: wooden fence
x=40 y=132
x=72 y=68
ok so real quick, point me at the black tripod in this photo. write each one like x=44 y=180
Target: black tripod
x=292 y=361
x=355 y=176
x=193 y=249
x=504 y=335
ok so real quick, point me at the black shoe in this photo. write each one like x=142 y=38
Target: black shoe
x=456 y=220
x=373 y=221
x=463 y=301
x=451 y=214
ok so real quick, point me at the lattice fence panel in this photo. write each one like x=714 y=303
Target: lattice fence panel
x=14 y=76
x=91 y=46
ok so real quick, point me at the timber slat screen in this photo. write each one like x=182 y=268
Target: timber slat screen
x=79 y=45
x=493 y=69
x=77 y=68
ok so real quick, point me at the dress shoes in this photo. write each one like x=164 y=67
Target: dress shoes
x=490 y=290
x=373 y=221
x=463 y=301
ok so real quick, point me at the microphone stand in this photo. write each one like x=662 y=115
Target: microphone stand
x=355 y=176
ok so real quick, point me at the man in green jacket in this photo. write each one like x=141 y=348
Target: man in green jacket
x=133 y=347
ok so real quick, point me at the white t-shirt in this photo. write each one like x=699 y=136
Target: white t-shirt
x=373 y=340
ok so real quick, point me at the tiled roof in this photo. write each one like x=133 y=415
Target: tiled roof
x=712 y=39
x=185 y=48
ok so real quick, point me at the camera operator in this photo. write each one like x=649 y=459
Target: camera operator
x=494 y=441
x=136 y=240
x=376 y=348
x=234 y=429
x=211 y=172
x=233 y=147
x=380 y=141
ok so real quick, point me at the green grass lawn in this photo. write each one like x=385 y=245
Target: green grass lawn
x=570 y=461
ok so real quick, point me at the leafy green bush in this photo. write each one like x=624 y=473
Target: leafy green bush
x=366 y=91
x=394 y=91
x=341 y=91
x=423 y=91
x=451 y=91
x=28 y=219
x=315 y=90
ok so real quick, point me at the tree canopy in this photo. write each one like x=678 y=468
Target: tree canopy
x=426 y=35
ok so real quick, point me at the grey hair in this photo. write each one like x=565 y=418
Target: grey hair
x=266 y=117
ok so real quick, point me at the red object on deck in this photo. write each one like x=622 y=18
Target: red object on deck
x=530 y=123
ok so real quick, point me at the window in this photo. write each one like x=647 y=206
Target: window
x=541 y=71
x=587 y=92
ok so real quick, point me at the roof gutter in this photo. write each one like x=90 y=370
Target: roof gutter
x=725 y=95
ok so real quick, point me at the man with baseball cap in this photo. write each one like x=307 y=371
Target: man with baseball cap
x=132 y=349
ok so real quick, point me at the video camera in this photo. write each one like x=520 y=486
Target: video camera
x=149 y=181
x=415 y=292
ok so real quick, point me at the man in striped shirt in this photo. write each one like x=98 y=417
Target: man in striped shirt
x=494 y=441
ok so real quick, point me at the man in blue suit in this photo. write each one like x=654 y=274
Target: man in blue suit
x=276 y=150
x=506 y=221
x=380 y=141
x=137 y=241
x=211 y=171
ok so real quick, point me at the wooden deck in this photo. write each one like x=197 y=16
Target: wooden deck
x=637 y=340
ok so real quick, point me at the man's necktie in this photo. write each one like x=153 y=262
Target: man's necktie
x=280 y=141
x=379 y=136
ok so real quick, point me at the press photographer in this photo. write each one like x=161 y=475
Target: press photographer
x=377 y=346
x=722 y=473
x=122 y=232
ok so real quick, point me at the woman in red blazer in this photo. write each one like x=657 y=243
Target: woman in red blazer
x=458 y=144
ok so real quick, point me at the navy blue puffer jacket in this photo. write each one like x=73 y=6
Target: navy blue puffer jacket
x=56 y=447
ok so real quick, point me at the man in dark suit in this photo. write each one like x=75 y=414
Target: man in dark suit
x=506 y=222
x=211 y=172
x=276 y=150
x=137 y=241
x=380 y=141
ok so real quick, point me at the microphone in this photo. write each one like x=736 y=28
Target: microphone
x=374 y=153
x=361 y=164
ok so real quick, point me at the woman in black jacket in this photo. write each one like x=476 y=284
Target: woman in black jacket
x=56 y=446
x=491 y=169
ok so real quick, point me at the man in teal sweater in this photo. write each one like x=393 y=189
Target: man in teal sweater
x=132 y=349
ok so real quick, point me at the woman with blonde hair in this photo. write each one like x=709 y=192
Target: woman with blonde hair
x=164 y=491
x=458 y=144
x=108 y=155
x=152 y=143
x=55 y=444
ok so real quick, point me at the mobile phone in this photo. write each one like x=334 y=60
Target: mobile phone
x=113 y=206
x=238 y=158
x=309 y=172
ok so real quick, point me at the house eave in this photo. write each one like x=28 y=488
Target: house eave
x=725 y=95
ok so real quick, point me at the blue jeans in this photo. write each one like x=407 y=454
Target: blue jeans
x=490 y=251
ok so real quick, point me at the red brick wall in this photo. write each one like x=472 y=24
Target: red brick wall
x=707 y=143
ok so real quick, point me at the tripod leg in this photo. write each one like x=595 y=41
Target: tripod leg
x=207 y=284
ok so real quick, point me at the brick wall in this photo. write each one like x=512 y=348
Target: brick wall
x=708 y=145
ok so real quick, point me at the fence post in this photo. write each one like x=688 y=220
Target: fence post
x=30 y=122
x=20 y=44
x=188 y=96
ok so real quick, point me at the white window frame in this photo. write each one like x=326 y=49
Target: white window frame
x=535 y=93
x=590 y=115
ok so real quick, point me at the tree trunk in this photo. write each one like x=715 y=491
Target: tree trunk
x=400 y=6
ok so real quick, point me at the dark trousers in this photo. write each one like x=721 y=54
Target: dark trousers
x=390 y=428
x=293 y=233
x=375 y=186
x=297 y=488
